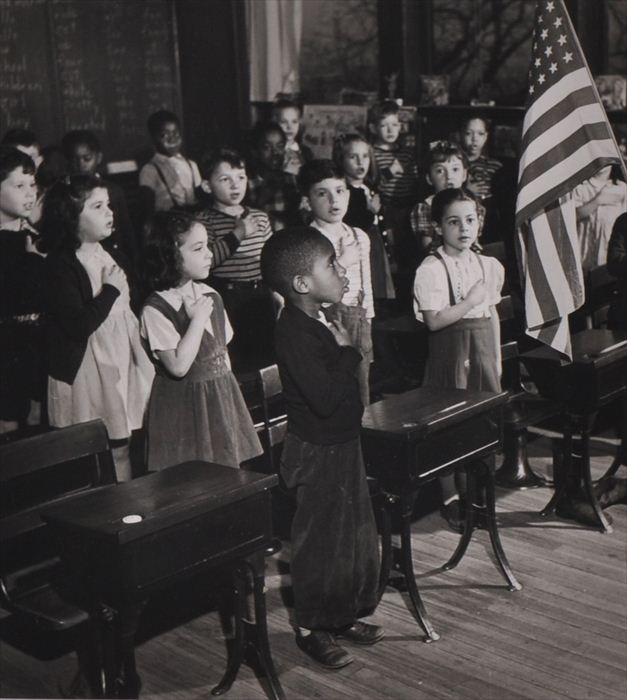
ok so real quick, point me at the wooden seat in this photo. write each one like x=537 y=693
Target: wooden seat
x=601 y=289
x=37 y=472
x=272 y=427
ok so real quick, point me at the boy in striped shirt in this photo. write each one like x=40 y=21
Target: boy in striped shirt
x=236 y=236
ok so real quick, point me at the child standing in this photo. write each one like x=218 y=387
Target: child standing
x=599 y=201
x=455 y=294
x=334 y=555
x=83 y=154
x=398 y=171
x=22 y=373
x=169 y=179
x=236 y=236
x=353 y=155
x=398 y=182
x=196 y=408
x=324 y=188
x=97 y=365
x=481 y=169
x=270 y=188
x=287 y=115
x=447 y=168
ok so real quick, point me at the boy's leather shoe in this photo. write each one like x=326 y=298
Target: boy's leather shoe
x=323 y=649
x=363 y=633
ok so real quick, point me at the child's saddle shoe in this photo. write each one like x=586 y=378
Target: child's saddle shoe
x=323 y=649
x=363 y=633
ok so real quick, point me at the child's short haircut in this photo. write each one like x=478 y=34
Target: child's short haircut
x=19 y=137
x=11 y=159
x=63 y=205
x=291 y=252
x=210 y=161
x=158 y=120
x=442 y=151
x=443 y=199
x=315 y=171
x=168 y=230
x=79 y=137
x=486 y=123
x=280 y=105
x=381 y=110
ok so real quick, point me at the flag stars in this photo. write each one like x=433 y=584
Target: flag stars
x=568 y=57
x=541 y=78
x=550 y=6
x=531 y=89
x=562 y=39
x=553 y=67
x=537 y=63
x=544 y=33
x=558 y=22
x=548 y=51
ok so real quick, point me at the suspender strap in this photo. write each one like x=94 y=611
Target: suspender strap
x=362 y=292
x=165 y=183
x=451 y=293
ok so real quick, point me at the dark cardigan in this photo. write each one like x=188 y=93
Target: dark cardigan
x=73 y=313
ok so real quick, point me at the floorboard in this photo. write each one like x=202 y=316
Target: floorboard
x=564 y=636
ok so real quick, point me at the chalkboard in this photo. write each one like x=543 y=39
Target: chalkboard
x=102 y=65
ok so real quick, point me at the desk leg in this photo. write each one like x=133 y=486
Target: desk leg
x=586 y=427
x=257 y=566
x=237 y=652
x=469 y=525
x=495 y=538
x=256 y=634
x=407 y=507
x=562 y=468
x=385 y=527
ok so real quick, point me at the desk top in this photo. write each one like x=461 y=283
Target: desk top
x=162 y=499
x=593 y=347
x=414 y=414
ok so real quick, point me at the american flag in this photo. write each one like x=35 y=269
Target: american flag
x=566 y=138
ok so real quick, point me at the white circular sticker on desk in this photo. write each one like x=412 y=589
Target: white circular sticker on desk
x=130 y=519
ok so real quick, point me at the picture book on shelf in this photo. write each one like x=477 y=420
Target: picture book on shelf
x=322 y=123
x=434 y=89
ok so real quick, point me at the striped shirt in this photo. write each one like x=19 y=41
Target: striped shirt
x=397 y=190
x=232 y=259
x=480 y=175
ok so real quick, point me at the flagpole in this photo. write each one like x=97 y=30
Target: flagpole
x=621 y=161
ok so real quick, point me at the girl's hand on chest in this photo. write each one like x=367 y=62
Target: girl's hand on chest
x=200 y=308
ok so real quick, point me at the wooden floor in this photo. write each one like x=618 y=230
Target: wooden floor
x=563 y=636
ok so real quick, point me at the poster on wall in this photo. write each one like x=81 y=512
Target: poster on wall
x=322 y=123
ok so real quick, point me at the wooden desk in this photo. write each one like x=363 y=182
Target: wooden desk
x=596 y=376
x=194 y=517
x=415 y=437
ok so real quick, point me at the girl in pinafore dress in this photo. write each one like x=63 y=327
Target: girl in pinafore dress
x=456 y=291
x=98 y=367
x=196 y=408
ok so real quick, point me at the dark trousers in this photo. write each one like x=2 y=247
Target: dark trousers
x=335 y=556
x=250 y=310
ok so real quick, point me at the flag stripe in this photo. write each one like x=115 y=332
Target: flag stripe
x=555 y=155
x=569 y=105
x=569 y=84
x=587 y=115
x=563 y=177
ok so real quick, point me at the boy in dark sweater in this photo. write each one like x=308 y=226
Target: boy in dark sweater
x=334 y=559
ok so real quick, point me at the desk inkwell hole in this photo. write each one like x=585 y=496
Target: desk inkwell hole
x=132 y=519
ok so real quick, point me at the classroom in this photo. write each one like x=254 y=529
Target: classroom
x=313 y=349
